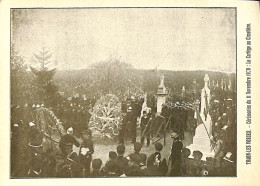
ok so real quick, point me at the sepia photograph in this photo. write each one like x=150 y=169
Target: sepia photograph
x=123 y=92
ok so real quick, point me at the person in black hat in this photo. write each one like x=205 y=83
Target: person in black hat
x=145 y=128
x=227 y=165
x=126 y=130
x=122 y=162
x=132 y=119
x=175 y=156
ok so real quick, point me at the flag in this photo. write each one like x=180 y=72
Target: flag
x=206 y=109
x=199 y=119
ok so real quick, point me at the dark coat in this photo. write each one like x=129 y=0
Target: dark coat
x=122 y=164
x=68 y=139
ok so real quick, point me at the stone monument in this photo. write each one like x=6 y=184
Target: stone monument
x=203 y=132
x=161 y=95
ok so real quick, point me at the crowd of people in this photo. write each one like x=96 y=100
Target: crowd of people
x=61 y=160
x=67 y=163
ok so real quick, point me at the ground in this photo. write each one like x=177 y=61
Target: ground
x=102 y=150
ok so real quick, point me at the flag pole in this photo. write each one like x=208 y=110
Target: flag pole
x=203 y=125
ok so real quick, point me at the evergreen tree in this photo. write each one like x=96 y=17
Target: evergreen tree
x=46 y=89
x=22 y=85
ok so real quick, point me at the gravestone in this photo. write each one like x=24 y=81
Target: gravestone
x=203 y=132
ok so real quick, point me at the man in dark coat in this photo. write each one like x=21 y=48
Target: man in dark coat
x=145 y=128
x=154 y=159
x=122 y=130
x=130 y=125
x=110 y=169
x=139 y=157
x=176 y=156
x=122 y=161
x=68 y=138
x=133 y=120
x=36 y=154
x=96 y=165
x=86 y=151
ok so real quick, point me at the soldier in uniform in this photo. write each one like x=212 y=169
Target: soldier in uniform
x=130 y=125
x=36 y=154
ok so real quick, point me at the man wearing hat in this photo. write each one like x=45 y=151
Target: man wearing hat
x=175 y=156
x=228 y=166
x=130 y=125
x=145 y=128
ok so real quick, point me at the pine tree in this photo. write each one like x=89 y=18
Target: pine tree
x=46 y=89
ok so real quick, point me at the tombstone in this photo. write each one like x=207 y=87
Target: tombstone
x=217 y=84
x=225 y=84
x=183 y=92
x=203 y=132
x=222 y=84
x=161 y=95
x=229 y=85
x=213 y=83
x=194 y=86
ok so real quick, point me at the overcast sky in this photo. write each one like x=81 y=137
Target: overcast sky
x=173 y=39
